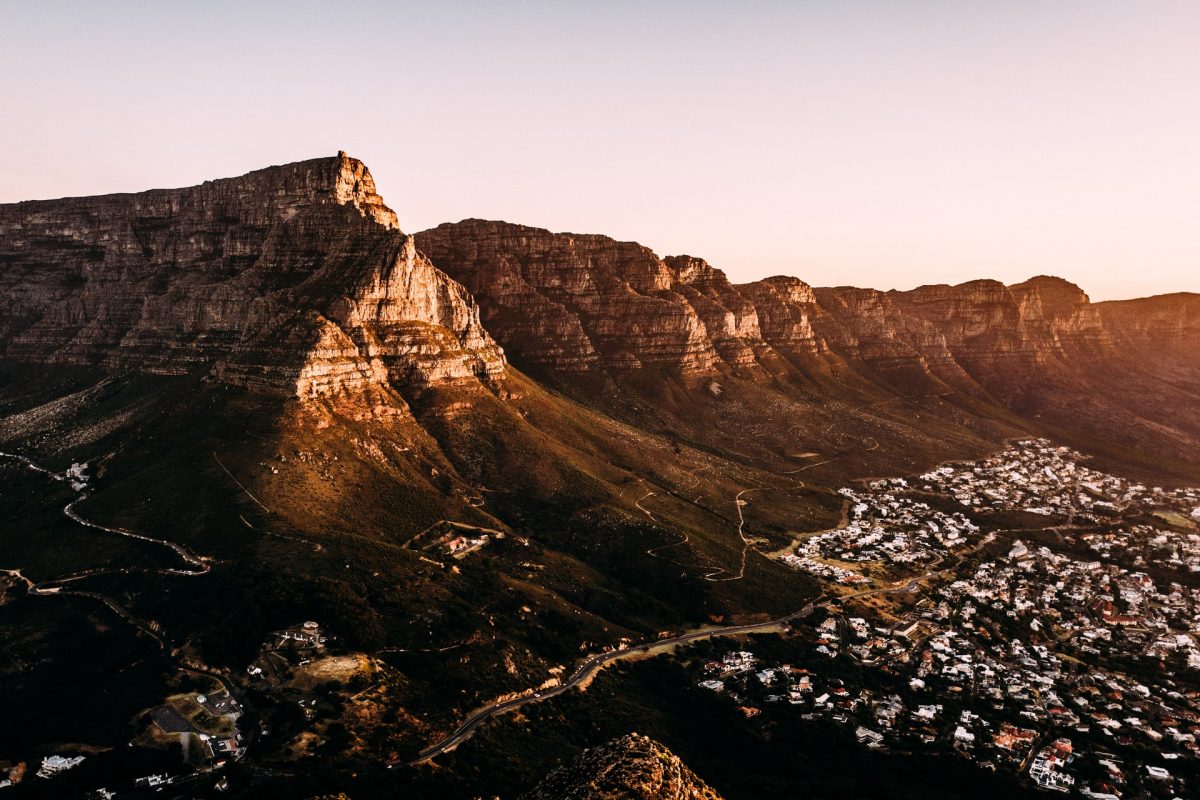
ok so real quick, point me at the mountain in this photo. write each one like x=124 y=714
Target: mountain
x=566 y=305
x=630 y=768
x=293 y=280
x=579 y=303
x=287 y=409
x=265 y=372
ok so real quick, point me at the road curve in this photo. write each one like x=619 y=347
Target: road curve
x=593 y=664
x=198 y=565
x=586 y=669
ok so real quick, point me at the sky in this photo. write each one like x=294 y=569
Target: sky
x=885 y=144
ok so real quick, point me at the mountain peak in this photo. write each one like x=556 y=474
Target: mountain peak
x=354 y=186
x=341 y=178
x=1055 y=296
x=294 y=278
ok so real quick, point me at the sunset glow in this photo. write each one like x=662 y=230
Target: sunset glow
x=874 y=144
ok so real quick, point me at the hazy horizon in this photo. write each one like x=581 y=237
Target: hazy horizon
x=873 y=144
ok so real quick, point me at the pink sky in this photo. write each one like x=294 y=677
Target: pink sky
x=884 y=144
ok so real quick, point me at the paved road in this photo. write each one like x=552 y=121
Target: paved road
x=595 y=663
x=198 y=565
x=586 y=670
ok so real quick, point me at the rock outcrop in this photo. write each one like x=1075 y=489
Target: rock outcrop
x=730 y=319
x=633 y=767
x=294 y=280
x=786 y=309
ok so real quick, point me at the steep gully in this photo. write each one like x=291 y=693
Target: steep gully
x=719 y=574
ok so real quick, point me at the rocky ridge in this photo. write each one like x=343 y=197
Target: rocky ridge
x=569 y=303
x=297 y=281
x=587 y=311
x=566 y=303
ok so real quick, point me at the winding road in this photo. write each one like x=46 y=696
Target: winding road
x=585 y=671
x=591 y=665
x=197 y=565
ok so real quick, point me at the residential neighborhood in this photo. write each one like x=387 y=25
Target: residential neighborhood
x=1065 y=651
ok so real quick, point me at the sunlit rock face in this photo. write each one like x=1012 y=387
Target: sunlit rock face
x=785 y=308
x=572 y=307
x=1169 y=322
x=566 y=304
x=986 y=327
x=573 y=303
x=294 y=280
x=729 y=317
x=1040 y=319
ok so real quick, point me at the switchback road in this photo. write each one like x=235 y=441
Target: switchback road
x=199 y=565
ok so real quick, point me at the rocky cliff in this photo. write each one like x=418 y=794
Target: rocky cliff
x=297 y=281
x=633 y=767
x=294 y=280
x=571 y=303
x=568 y=304
x=1166 y=324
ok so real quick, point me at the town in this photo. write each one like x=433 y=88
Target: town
x=1025 y=613
x=1065 y=652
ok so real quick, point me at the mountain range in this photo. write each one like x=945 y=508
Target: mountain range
x=267 y=371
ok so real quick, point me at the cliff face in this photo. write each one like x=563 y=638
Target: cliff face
x=1168 y=323
x=630 y=768
x=1039 y=320
x=567 y=303
x=730 y=320
x=1043 y=331
x=786 y=309
x=293 y=279
x=297 y=281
